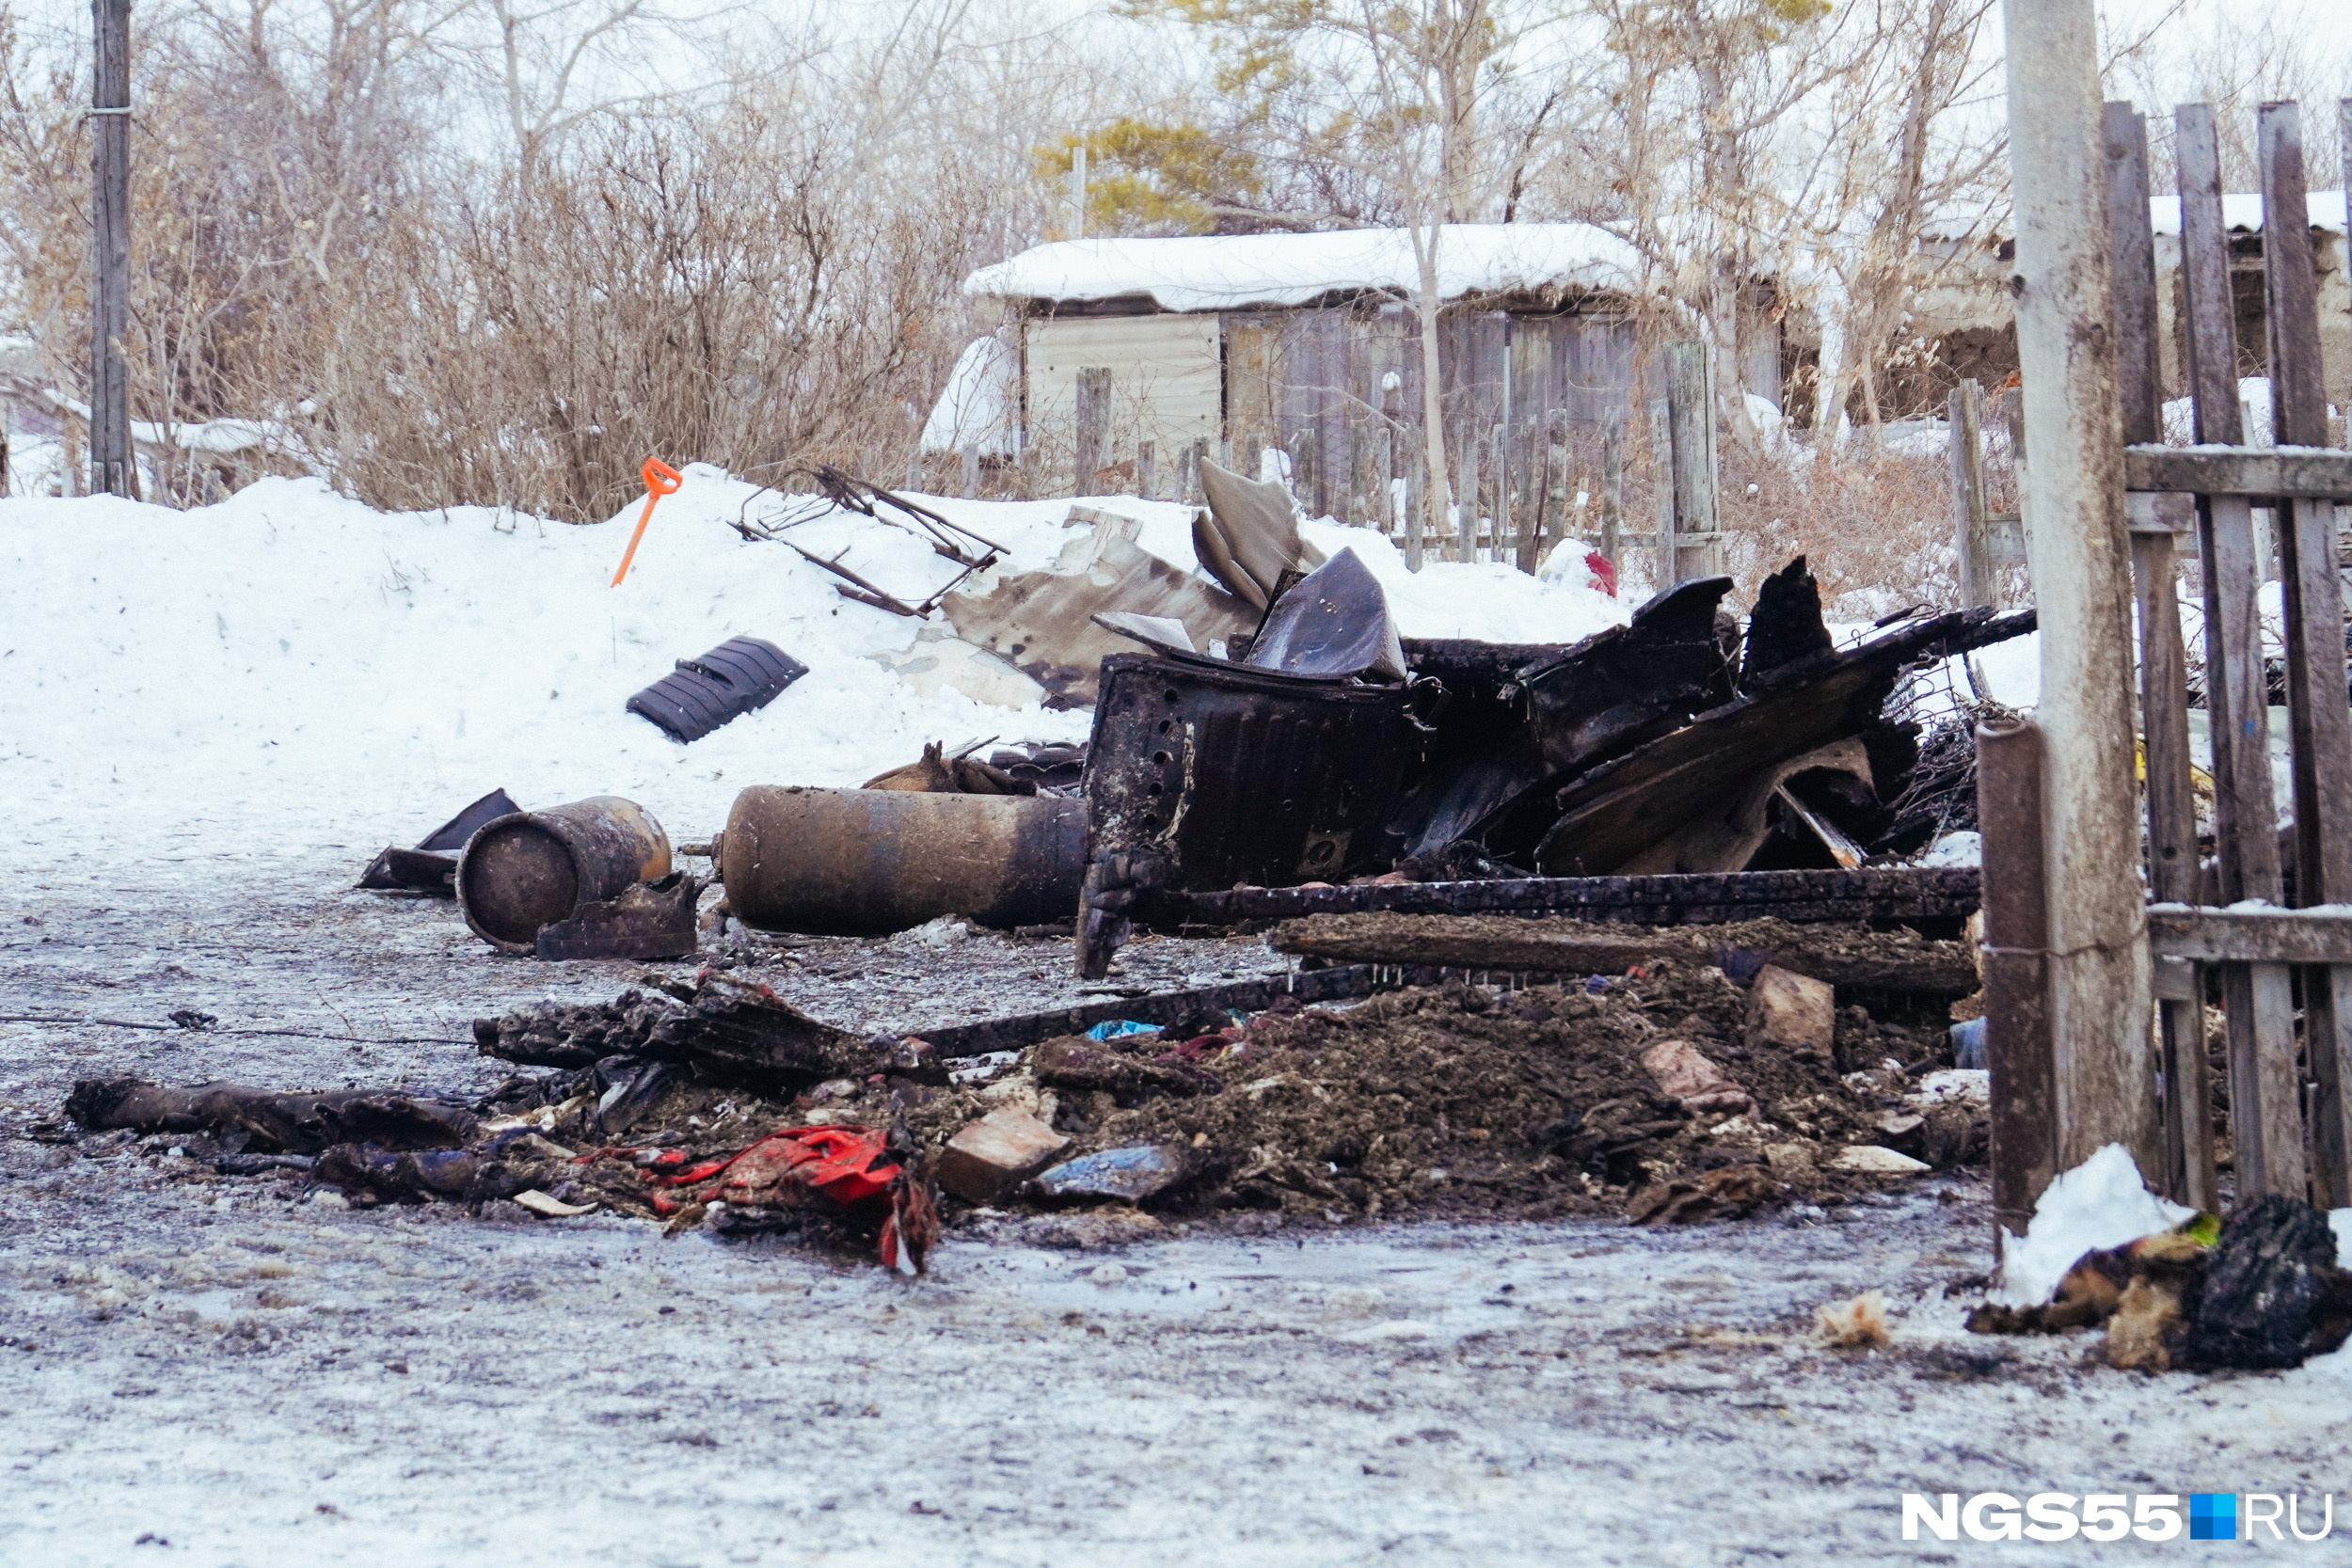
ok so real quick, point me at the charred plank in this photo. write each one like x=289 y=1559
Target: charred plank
x=1897 y=893
x=271 y=1122
x=1503 y=944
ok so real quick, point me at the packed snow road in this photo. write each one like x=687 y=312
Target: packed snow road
x=256 y=1376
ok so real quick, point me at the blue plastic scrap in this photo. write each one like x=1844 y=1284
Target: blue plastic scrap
x=1130 y=1174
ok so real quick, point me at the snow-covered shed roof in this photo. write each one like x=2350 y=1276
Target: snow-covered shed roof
x=1223 y=272
x=2245 y=212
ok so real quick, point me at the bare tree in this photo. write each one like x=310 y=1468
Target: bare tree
x=1894 y=163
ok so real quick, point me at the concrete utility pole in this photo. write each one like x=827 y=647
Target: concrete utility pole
x=2081 y=565
x=112 y=469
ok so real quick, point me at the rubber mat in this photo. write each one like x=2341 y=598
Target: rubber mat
x=732 y=679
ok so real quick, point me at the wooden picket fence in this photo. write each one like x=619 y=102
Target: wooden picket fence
x=2263 y=926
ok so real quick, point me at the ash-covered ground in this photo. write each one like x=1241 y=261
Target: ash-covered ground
x=231 y=1371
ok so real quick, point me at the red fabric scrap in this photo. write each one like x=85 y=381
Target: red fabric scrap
x=846 y=1164
x=1199 y=1047
x=1604 y=575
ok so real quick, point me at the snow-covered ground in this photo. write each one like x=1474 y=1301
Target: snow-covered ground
x=280 y=1386
x=261 y=1380
x=291 y=664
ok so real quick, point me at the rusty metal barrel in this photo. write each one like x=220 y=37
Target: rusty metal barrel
x=863 y=862
x=536 y=867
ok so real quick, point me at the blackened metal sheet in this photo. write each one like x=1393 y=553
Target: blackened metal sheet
x=450 y=836
x=1235 y=775
x=432 y=865
x=419 y=870
x=1615 y=811
x=1333 y=622
x=1613 y=689
x=1513 y=728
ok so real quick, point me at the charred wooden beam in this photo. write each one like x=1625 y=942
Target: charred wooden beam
x=723 y=1027
x=1893 y=893
x=1877 y=961
x=271 y=1122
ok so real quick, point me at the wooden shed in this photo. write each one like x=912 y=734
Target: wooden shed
x=1962 y=322
x=1305 y=345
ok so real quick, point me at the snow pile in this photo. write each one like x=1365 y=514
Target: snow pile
x=980 y=405
x=1953 y=1084
x=1965 y=848
x=291 y=661
x=1494 y=602
x=2099 y=1203
x=1222 y=272
x=290 y=667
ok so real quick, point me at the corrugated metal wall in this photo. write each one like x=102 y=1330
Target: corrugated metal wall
x=1167 y=384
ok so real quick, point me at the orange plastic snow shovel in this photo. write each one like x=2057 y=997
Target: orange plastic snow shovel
x=660 y=480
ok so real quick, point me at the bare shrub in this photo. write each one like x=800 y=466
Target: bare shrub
x=765 y=275
x=705 y=286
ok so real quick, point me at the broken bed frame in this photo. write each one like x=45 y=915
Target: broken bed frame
x=2224 y=926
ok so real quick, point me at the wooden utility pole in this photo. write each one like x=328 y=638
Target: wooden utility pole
x=1969 y=519
x=113 y=470
x=1613 y=491
x=2081 y=562
x=1093 y=446
x=1699 y=546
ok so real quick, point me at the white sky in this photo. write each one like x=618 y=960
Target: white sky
x=2322 y=27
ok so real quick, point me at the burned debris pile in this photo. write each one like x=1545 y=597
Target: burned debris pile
x=1588 y=889
x=1674 y=744
x=1670 y=1094
x=1278 y=733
